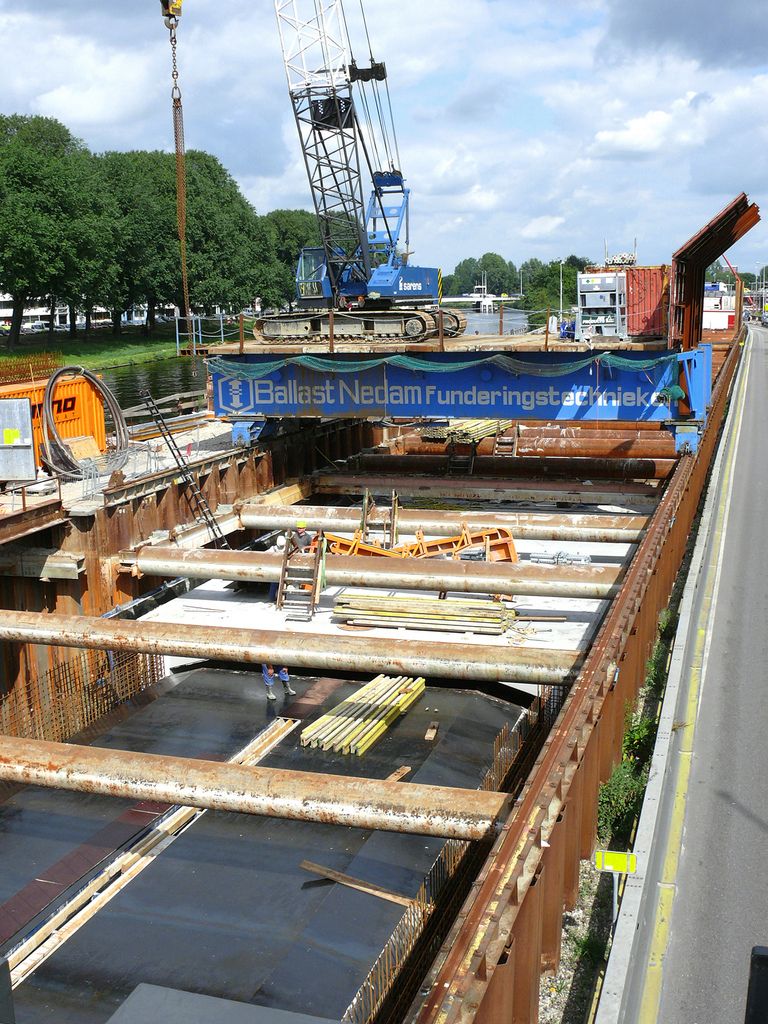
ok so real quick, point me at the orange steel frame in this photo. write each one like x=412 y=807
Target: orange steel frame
x=508 y=931
x=499 y=545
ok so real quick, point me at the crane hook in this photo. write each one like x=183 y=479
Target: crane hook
x=171 y=13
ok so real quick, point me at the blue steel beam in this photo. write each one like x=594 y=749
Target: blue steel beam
x=552 y=386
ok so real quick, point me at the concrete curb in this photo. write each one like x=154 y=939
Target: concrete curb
x=623 y=983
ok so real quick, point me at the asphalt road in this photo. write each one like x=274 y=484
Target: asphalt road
x=721 y=906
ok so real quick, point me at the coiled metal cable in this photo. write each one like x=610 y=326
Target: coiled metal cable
x=58 y=456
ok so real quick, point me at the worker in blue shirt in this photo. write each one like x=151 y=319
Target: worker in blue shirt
x=269 y=674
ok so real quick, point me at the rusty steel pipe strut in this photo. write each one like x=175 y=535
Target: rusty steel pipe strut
x=572 y=467
x=596 y=448
x=622 y=529
x=591 y=582
x=440 y=811
x=628 y=495
x=612 y=462
x=469 y=662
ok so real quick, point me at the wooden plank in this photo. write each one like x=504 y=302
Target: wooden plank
x=356 y=883
x=289 y=494
x=431 y=732
x=83 y=448
x=357 y=722
x=399 y=773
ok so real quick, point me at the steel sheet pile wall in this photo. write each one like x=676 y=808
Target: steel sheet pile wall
x=509 y=930
x=690 y=262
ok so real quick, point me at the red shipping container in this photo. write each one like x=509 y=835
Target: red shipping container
x=647 y=301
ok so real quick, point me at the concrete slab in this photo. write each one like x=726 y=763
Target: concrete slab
x=216 y=603
x=227 y=912
x=51 y=838
x=154 y=1003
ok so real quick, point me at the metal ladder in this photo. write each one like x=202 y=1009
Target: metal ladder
x=297 y=591
x=196 y=498
x=506 y=444
x=460 y=465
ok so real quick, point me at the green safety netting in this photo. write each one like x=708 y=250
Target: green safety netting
x=255 y=371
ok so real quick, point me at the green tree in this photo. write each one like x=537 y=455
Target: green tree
x=541 y=283
x=92 y=266
x=288 y=231
x=466 y=276
x=220 y=236
x=496 y=269
x=513 y=277
x=38 y=204
x=143 y=185
x=722 y=274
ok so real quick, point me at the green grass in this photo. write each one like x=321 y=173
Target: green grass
x=100 y=349
x=591 y=948
x=621 y=797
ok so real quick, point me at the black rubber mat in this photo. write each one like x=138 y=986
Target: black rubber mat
x=227 y=912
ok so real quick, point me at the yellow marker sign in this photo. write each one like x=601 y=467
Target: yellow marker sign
x=11 y=436
x=618 y=863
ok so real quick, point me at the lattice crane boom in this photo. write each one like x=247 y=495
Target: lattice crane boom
x=349 y=144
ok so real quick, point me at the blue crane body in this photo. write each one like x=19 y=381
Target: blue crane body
x=392 y=280
x=362 y=269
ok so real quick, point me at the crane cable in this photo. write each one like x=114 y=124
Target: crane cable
x=393 y=149
x=58 y=456
x=172 y=22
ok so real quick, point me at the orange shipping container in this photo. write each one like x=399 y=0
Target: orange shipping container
x=77 y=408
x=647 y=301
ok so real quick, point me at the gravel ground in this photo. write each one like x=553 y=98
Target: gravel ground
x=566 y=997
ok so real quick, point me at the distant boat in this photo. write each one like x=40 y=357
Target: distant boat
x=483 y=302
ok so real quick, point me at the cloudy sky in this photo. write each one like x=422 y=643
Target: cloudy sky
x=526 y=127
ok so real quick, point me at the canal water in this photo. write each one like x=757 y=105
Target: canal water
x=180 y=375
x=488 y=323
x=163 y=377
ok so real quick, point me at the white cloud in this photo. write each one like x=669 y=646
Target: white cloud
x=541 y=227
x=678 y=126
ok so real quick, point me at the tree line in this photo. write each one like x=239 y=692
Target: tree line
x=537 y=282
x=99 y=229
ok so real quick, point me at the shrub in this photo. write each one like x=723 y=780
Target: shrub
x=639 y=739
x=619 y=803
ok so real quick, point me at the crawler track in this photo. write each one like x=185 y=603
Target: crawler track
x=360 y=325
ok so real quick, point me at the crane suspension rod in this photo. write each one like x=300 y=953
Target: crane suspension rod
x=181 y=165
